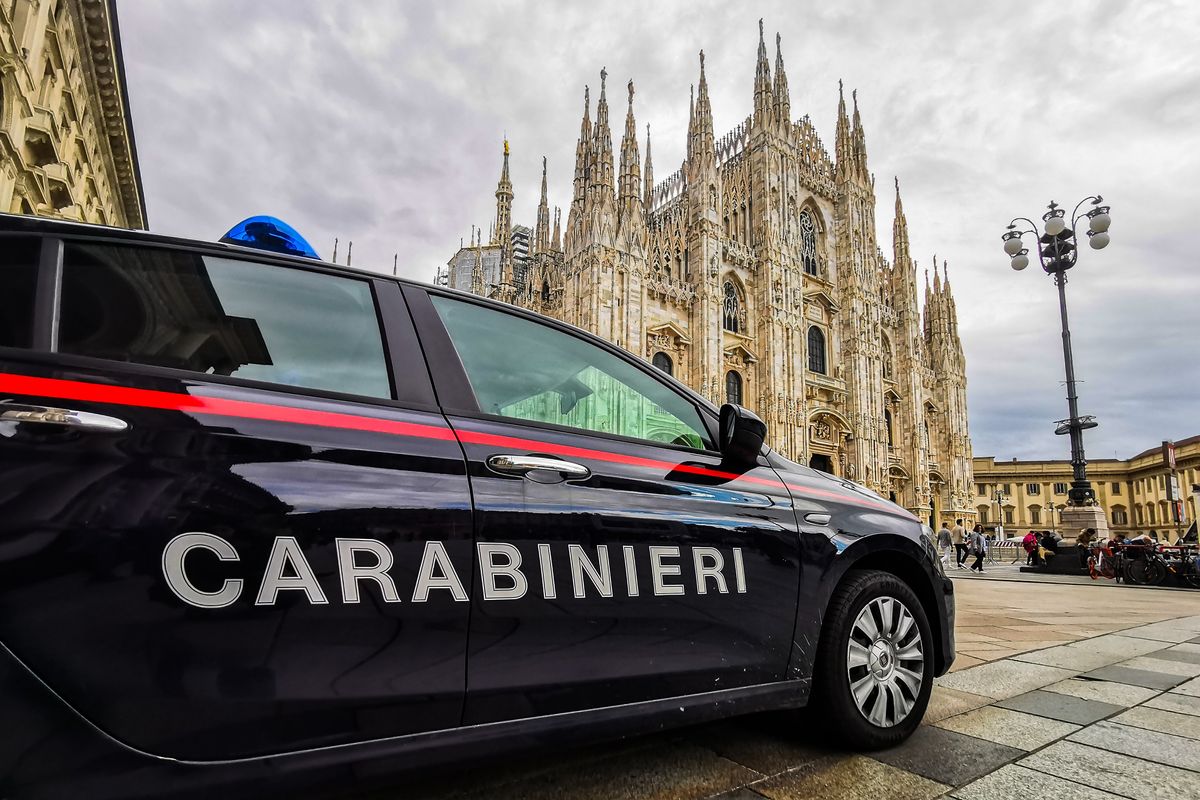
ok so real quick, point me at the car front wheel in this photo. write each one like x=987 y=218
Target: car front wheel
x=874 y=670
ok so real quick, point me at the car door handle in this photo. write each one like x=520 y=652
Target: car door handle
x=817 y=519
x=519 y=465
x=63 y=417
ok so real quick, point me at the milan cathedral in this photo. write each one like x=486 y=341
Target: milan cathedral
x=752 y=274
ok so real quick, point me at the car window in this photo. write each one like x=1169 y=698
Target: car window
x=18 y=279
x=526 y=370
x=220 y=316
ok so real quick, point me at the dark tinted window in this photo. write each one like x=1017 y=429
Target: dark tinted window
x=18 y=279
x=220 y=316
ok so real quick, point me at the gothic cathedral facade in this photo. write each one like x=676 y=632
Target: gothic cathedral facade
x=752 y=274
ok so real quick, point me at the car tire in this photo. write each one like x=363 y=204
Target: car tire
x=873 y=693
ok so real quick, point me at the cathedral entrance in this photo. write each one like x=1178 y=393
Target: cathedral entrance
x=822 y=462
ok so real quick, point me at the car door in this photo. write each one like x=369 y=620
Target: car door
x=216 y=503
x=619 y=559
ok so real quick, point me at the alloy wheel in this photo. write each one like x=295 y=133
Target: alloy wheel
x=885 y=661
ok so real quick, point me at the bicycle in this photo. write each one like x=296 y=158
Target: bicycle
x=1144 y=565
x=1184 y=565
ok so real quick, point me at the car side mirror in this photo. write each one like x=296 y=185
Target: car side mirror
x=742 y=434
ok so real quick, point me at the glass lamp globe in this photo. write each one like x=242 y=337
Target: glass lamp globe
x=1012 y=246
x=1020 y=262
x=1055 y=226
x=1098 y=241
x=1100 y=223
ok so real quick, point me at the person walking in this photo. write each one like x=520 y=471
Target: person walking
x=944 y=543
x=977 y=547
x=958 y=536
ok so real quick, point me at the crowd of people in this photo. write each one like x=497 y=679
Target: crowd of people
x=966 y=544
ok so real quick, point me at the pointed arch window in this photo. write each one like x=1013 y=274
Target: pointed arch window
x=887 y=359
x=808 y=242
x=816 y=350
x=663 y=362
x=733 y=387
x=545 y=291
x=731 y=307
x=887 y=421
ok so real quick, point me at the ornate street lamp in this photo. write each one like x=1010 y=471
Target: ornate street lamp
x=1057 y=252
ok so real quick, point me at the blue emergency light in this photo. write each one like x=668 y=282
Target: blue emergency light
x=269 y=233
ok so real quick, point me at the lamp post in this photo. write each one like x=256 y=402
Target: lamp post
x=1057 y=252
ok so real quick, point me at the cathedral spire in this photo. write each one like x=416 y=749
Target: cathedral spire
x=602 y=154
x=648 y=175
x=900 y=253
x=556 y=237
x=582 y=151
x=541 y=233
x=630 y=197
x=504 y=198
x=859 y=137
x=703 y=142
x=842 y=143
x=764 y=99
x=783 y=101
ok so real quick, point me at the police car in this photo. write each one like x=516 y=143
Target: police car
x=267 y=521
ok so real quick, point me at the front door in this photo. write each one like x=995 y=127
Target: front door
x=214 y=505
x=618 y=559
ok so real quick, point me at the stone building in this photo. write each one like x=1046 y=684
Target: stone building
x=66 y=139
x=752 y=274
x=1133 y=492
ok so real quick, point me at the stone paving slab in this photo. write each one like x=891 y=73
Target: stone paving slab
x=945 y=702
x=1135 y=677
x=1177 y=751
x=1002 y=679
x=849 y=778
x=1062 y=707
x=1153 y=663
x=1115 y=772
x=1118 y=694
x=1015 y=782
x=1013 y=728
x=1192 y=688
x=1157 y=719
x=1179 y=703
x=1184 y=656
x=947 y=757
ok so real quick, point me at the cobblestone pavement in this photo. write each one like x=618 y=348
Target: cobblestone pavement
x=1059 y=692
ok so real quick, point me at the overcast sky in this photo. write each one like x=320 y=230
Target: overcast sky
x=382 y=122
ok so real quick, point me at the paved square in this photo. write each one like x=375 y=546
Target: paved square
x=1077 y=705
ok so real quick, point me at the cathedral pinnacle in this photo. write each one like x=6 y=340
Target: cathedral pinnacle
x=648 y=178
x=783 y=101
x=764 y=99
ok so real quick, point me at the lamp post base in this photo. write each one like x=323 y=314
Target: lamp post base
x=1074 y=519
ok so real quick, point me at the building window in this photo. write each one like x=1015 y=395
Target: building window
x=816 y=350
x=1116 y=488
x=887 y=421
x=1007 y=489
x=545 y=291
x=808 y=243
x=1008 y=516
x=663 y=362
x=981 y=489
x=1033 y=488
x=1035 y=515
x=733 y=388
x=1060 y=488
x=983 y=515
x=730 y=316
x=887 y=359
x=1120 y=517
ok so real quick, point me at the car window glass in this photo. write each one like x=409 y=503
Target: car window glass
x=18 y=281
x=220 y=316
x=523 y=369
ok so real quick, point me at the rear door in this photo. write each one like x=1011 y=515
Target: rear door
x=618 y=559
x=216 y=503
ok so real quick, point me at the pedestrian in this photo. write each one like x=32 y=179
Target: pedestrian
x=977 y=547
x=944 y=544
x=958 y=536
x=1030 y=543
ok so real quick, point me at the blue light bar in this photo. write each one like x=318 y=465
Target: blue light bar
x=269 y=233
